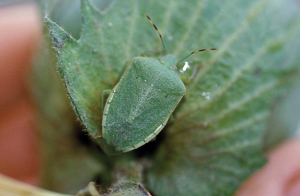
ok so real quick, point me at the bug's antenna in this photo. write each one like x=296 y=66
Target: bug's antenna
x=162 y=41
x=202 y=50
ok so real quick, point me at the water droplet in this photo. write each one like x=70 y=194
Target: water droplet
x=110 y=24
x=206 y=95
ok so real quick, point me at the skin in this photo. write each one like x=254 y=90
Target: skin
x=20 y=31
x=280 y=177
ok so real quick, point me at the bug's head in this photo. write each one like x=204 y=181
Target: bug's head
x=170 y=61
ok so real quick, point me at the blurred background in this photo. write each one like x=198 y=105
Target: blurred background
x=20 y=33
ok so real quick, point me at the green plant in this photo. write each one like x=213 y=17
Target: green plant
x=215 y=140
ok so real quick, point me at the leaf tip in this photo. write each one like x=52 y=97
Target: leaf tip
x=58 y=35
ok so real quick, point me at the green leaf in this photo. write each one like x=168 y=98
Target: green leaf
x=63 y=156
x=281 y=126
x=214 y=142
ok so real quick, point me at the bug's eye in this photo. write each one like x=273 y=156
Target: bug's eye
x=166 y=96
x=136 y=77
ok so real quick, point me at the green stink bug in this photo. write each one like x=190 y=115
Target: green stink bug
x=140 y=105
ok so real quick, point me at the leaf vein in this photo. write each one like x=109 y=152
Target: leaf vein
x=254 y=11
x=190 y=25
x=233 y=106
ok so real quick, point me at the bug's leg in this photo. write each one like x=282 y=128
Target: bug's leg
x=105 y=92
x=185 y=79
x=194 y=72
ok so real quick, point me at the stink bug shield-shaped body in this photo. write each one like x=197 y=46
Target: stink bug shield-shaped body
x=140 y=105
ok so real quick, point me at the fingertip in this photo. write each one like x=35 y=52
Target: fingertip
x=280 y=176
x=20 y=33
